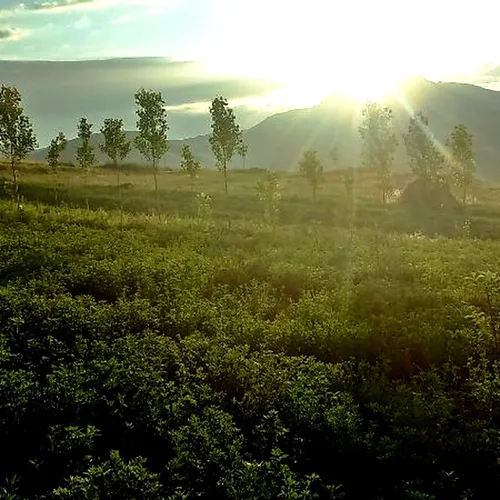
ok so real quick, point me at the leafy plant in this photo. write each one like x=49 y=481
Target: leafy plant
x=226 y=138
x=203 y=205
x=312 y=169
x=379 y=143
x=17 y=138
x=56 y=148
x=189 y=164
x=85 y=155
x=153 y=128
x=426 y=160
x=462 y=162
x=269 y=194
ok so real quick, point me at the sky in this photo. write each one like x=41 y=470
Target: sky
x=293 y=53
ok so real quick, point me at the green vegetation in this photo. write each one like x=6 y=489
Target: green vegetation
x=345 y=348
x=180 y=359
x=153 y=128
x=17 y=138
x=226 y=138
x=56 y=148
x=379 y=144
x=312 y=169
x=189 y=164
x=85 y=155
x=425 y=160
x=462 y=159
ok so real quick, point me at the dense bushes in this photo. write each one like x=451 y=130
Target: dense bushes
x=171 y=361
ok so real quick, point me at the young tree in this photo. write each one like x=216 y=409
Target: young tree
x=269 y=194
x=115 y=146
x=462 y=162
x=153 y=128
x=379 y=143
x=189 y=164
x=243 y=152
x=312 y=168
x=17 y=138
x=426 y=161
x=56 y=148
x=85 y=151
x=226 y=138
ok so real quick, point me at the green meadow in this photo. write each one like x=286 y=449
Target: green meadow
x=245 y=346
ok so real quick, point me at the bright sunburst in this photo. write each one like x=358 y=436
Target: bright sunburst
x=317 y=48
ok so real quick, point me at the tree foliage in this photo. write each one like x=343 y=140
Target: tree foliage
x=189 y=164
x=152 y=126
x=461 y=157
x=116 y=145
x=312 y=169
x=85 y=155
x=269 y=193
x=153 y=129
x=425 y=159
x=379 y=143
x=226 y=138
x=17 y=138
x=56 y=148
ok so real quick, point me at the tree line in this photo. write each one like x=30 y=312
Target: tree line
x=18 y=139
x=428 y=160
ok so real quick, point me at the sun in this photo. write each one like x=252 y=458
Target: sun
x=374 y=88
x=312 y=87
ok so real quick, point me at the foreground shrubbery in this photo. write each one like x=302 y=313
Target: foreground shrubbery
x=183 y=360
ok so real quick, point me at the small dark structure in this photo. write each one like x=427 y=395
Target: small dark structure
x=425 y=195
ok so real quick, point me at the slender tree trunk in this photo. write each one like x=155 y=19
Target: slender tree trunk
x=56 y=191
x=465 y=195
x=14 y=178
x=119 y=191
x=226 y=191
x=225 y=176
x=155 y=174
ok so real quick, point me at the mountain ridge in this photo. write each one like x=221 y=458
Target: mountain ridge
x=278 y=141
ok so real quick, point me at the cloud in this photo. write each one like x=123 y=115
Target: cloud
x=70 y=5
x=190 y=107
x=16 y=34
x=60 y=4
x=57 y=93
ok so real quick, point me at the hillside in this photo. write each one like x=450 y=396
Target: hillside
x=278 y=141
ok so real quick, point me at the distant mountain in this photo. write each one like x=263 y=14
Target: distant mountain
x=279 y=141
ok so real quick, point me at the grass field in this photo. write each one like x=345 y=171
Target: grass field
x=344 y=349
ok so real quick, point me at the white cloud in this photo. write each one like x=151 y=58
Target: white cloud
x=16 y=34
x=61 y=6
x=190 y=107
